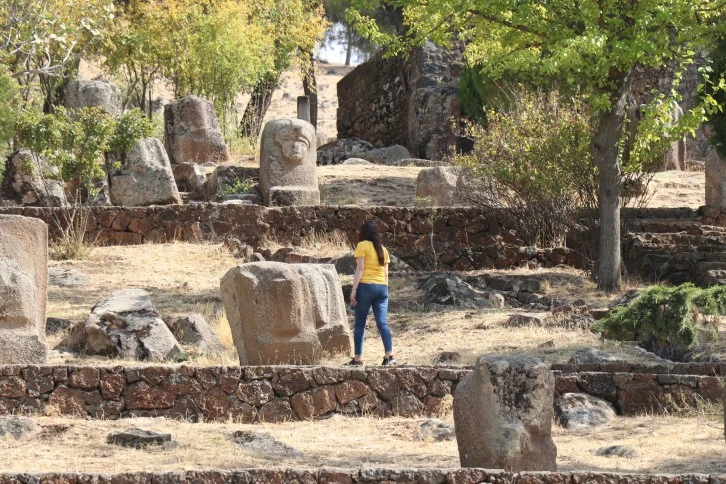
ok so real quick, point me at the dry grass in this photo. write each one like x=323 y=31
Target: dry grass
x=184 y=278
x=664 y=445
x=321 y=244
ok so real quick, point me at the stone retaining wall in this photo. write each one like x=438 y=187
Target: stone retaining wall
x=703 y=369
x=464 y=238
x=350 y=476
x=278 y=393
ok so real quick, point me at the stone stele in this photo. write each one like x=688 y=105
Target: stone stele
x=503 y=415
x=270 y=312
x=23 y=289
x=288 y=163
x=331 y=320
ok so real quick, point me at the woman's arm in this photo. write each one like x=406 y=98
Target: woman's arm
x=360 y=264
x=387 y=274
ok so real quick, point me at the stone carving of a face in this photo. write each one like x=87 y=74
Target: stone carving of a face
x=294 y=143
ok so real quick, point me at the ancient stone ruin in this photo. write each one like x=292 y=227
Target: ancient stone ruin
x=192 y=133
x=23 y=286
x=331 y=320
x=269 y=308
x=98 y=93
x=503 y=415
x=287 y=163
x=26 y=180
x=145 y=177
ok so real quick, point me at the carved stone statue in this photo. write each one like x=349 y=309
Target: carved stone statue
x=288 y=163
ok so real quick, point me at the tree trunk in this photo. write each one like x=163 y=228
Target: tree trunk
x=310 y=87
x=251 y=123
x=606 y=155
x=348 y=45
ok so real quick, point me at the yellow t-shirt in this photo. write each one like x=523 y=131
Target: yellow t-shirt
x=373 y=272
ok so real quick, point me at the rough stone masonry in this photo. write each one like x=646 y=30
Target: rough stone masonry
x=23 y=286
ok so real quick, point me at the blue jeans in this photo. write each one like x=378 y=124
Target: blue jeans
x=376 y=296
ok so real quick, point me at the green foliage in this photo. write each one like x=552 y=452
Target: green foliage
x=718 y=118
x=77 y=144
x=668 y=315
x=473 y=95
x=9 y=100
x=537 y=154
x=239 y=186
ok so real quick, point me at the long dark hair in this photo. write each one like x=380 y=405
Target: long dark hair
x=369 y=231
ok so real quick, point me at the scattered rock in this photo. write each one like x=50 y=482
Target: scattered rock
x=138 y=439
x=438 y=185
x=264 y=444
x=530 y=319
x=98 y=93
x=189 y=178
x=64 y=277
x=389 y=155
x=447 y=357
x=145 y=177
x=503 y=415
x=579 y=410
x=17 y=427
x=450 y=290
x=421 y=163
x=127 y=325
x=436 y=430
x=192 y=329
x=23 y=182
x=356 y=161
x=547 y=344
x=192 y=133
x=57 y=325
x=336 y=152
x=224 y=177
x=617 y=451
x=591 y=355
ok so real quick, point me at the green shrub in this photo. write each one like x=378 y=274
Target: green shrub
x=238 y=186
x=537 y=152
x=666 y=315
x=77 y=145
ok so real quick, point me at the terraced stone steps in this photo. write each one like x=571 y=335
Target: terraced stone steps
x=281 y=393
x=354 y=476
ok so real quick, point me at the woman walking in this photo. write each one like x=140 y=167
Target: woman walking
x=370 y=289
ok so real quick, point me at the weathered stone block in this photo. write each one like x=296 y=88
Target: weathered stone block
x=23 y=289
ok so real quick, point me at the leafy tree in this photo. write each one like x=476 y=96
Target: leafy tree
x=8 y=105
x=76 y=145
x=41 y=41
x=597 y=45
x=295 y=27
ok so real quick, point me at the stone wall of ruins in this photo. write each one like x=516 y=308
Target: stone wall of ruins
x=278 y=393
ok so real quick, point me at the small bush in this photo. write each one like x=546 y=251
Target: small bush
x=537 y=152
x=238 y=186
x=717 y=121
x=664 y=315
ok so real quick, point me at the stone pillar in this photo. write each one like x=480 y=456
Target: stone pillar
x=192 y=133
x=303 y=108
x=503 y=415
x=23 y=289
x=270 y=312
x=288 y=161
x=715 y=180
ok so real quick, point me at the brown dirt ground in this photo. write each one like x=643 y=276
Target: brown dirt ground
x=663 y=444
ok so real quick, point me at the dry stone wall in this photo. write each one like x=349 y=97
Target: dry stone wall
x=464 y=238
x=277 y=393
x=351 y=476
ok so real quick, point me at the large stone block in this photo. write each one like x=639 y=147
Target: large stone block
x=331 y=319
x=97 y=93
x=192 y=133
x=270 y=311
x=438 y=185
x=23 y=289
x=503 y=415
x=27 y=181
x=715 y=180
x=288 y=163
x=145 y=177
